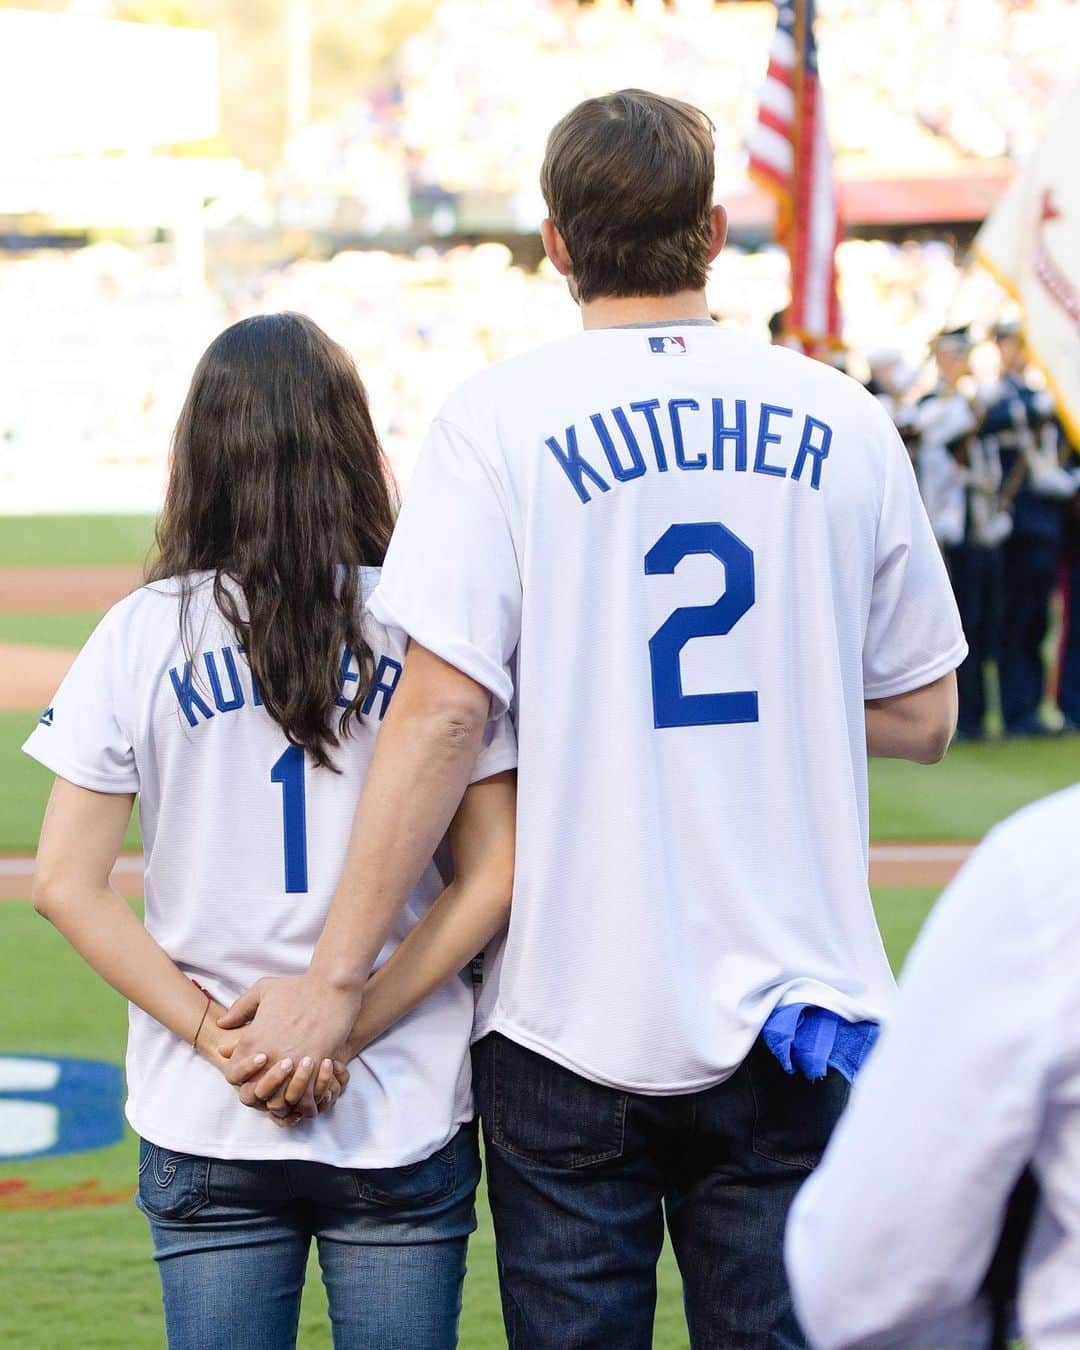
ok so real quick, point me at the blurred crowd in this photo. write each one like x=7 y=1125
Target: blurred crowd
x=463 y=122
x=98 y=344
x=1001 y=483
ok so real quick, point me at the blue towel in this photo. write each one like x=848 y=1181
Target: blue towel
x=807 y=1040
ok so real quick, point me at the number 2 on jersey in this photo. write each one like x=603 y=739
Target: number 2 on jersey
x=671 y=707
x=289 y=772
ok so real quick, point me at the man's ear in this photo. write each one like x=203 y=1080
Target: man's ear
x=718 y=222
x=555 y=247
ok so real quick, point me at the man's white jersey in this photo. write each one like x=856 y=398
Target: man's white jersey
x=244 y=841
x=688 y=559
x=976 y=1077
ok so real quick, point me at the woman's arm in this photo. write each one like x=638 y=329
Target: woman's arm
x=468 y=914
x=472 y=909
x=81 y=837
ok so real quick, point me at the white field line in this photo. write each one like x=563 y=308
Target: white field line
x=879 y=853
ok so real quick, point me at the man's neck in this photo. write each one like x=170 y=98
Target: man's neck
x=611 y=311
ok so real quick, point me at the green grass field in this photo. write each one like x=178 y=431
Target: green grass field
x=70 y=629
x=75 y=541
x=82 y=1278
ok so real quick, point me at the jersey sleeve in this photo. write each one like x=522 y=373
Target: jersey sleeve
x=451 y=579
x=498 y=751
x=80 y=736
x=913 y=635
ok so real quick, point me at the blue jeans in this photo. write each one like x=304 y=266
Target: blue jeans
x=231 y=1240
x=582 y=1176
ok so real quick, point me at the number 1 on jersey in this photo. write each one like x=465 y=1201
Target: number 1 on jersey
x=671 y=707
x=289 y=772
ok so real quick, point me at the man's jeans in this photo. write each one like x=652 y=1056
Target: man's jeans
x=231 y=1240
x=581 y=1176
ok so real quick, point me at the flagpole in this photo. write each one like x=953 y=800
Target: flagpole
x=790 y=230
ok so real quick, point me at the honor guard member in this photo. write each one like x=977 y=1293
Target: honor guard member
x=944 y=415
x=1069 y=683
x=1020 y=419
x=975 y=567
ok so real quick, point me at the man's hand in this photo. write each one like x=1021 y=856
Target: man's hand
x=295 y=1021
x=217 y=1046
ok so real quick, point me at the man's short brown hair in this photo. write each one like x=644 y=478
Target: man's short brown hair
x=628 y=181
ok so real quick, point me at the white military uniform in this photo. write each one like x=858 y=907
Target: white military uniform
x=244 y=843
x=977 y=1075
x=688 y=559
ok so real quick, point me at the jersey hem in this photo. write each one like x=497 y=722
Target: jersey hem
x=215 y=1150
x=918 y=679
x=499 y=763
x=75 y=773
x=513 y=1032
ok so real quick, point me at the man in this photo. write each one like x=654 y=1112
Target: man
x=1069 y=681
x=1035 y=486
x=977 y=1077
x=975 y=569
x=942 y=417
x=699 y=570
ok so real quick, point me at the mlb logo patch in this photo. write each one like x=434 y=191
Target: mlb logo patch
x=667 y=344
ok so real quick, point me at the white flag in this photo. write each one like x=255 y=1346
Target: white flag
x=1031 y=244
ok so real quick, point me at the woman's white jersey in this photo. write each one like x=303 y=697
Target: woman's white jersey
x=244 y=840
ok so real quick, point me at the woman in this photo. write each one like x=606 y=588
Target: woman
x=239 y=694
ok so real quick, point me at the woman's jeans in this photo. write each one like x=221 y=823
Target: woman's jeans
x=231 y=1240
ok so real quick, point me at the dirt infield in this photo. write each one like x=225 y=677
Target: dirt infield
x=29 y=675
x=52 y=590
x=890 y=865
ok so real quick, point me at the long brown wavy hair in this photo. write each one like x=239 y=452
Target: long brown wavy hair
x=278 y=482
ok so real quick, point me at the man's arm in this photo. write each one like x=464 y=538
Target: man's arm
x=918 y=725
x=424 y=754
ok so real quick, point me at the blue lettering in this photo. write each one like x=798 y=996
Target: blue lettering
x=766 y=438
x=649 y=409
x=346 y=676
x=387 y=667
x=818 y=453
x=574 y=466
x=637 y=464
x=722 y=433
x=188 y=697
x=677 y=433
x=256 y=693
x=237 y=700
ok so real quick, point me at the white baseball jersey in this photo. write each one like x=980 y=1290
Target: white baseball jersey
x=976 y=1076
x=688 y=558
x=244 y=842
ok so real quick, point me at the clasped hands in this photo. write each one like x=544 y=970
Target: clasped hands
x=284 y=1046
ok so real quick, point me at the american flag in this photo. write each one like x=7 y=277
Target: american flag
x=791 y=157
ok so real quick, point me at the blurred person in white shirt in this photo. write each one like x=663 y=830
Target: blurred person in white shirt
x=975 y=1079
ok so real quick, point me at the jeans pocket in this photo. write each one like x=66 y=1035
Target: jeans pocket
x=413 y=1186
x=172 y=1185
x=793 y=1117
x=545 y=1113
